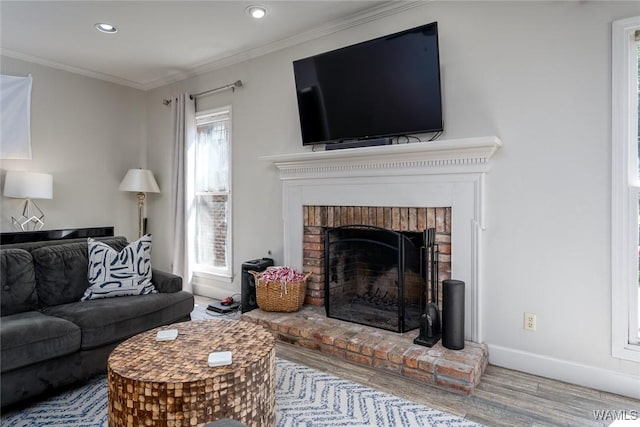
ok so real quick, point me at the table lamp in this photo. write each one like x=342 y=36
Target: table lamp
x=139 y=181
x=28 y=186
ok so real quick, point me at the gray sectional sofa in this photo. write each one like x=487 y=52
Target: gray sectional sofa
x=48 y=337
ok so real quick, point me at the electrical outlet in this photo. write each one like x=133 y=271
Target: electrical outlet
x=529 y=322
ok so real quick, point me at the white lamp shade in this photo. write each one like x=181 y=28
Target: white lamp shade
x=28 y=185
x=139 y=181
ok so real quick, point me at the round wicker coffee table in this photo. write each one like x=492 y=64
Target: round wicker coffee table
x=169 y=383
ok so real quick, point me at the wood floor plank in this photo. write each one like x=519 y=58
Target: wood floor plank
x=491 y=413
x=575 y=401
x=530 y=405
x=529 y=386
x=564 y=397
x=621 y=401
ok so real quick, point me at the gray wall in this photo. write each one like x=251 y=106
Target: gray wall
x=537 y=75
x=87 y=133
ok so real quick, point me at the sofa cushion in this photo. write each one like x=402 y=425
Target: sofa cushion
x=108 y=320
x=119 y=273
x=17 y=282
x=61 y=273
x=32 y=337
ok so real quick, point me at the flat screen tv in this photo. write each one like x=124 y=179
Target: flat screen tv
x=389 y=86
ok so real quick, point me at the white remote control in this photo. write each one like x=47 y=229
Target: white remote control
x=220 y=358
x=167 y=335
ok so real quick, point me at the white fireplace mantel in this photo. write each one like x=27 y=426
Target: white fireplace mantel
x=430 y=174
x=443 y=156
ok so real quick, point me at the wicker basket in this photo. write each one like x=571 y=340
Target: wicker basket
x=280 y=296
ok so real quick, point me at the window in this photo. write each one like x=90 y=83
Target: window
x=625 y=234
x=210 y=227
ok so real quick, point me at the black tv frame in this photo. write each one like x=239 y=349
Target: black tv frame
x=315 y=117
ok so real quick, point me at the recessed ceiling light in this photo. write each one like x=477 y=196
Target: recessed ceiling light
x=106 y=28
x=257 y=12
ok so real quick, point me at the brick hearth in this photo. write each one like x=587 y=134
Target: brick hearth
x=455 y=370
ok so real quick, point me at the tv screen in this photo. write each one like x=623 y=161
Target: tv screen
x=388 y=86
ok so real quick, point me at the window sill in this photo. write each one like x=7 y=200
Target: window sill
x=208 y=277
x=630 y=352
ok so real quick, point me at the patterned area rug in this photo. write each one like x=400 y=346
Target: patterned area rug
x=304 y=398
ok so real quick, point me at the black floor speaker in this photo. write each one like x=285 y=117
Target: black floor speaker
x=248 y=297
x=453 y=314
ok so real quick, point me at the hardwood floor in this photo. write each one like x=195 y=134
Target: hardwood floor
x=503 y=398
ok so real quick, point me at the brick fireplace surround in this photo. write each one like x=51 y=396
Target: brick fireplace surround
x=404 y=181
x=317 y=218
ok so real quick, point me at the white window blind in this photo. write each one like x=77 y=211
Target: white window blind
x=625 y=212
x=212 y=204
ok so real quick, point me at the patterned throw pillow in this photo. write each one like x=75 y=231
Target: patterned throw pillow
x=113 y=274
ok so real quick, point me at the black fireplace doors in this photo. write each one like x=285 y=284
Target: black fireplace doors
x=375 y=276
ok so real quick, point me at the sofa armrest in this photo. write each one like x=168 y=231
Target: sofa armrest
x=164 y=282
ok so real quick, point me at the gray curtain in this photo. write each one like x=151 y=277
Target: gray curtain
x=184 y=114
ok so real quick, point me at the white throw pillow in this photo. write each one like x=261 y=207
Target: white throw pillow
x=113 y=274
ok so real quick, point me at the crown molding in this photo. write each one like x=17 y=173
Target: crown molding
x=213 y=64
x=76 y=70
x=216 y=63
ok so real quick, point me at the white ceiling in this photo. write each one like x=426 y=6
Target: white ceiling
x=159 y=42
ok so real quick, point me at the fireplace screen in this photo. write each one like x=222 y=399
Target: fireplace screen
x=373 y=276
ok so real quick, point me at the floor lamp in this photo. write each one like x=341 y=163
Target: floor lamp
x=28 y=186
x=139 y=181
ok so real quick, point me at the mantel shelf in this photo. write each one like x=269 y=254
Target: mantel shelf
x=443 y=156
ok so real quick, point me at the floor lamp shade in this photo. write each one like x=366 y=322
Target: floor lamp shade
x=139 y=181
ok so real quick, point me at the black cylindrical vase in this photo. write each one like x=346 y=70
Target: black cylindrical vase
x=453 y=314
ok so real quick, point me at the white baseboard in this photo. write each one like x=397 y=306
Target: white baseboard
x=575 y=373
